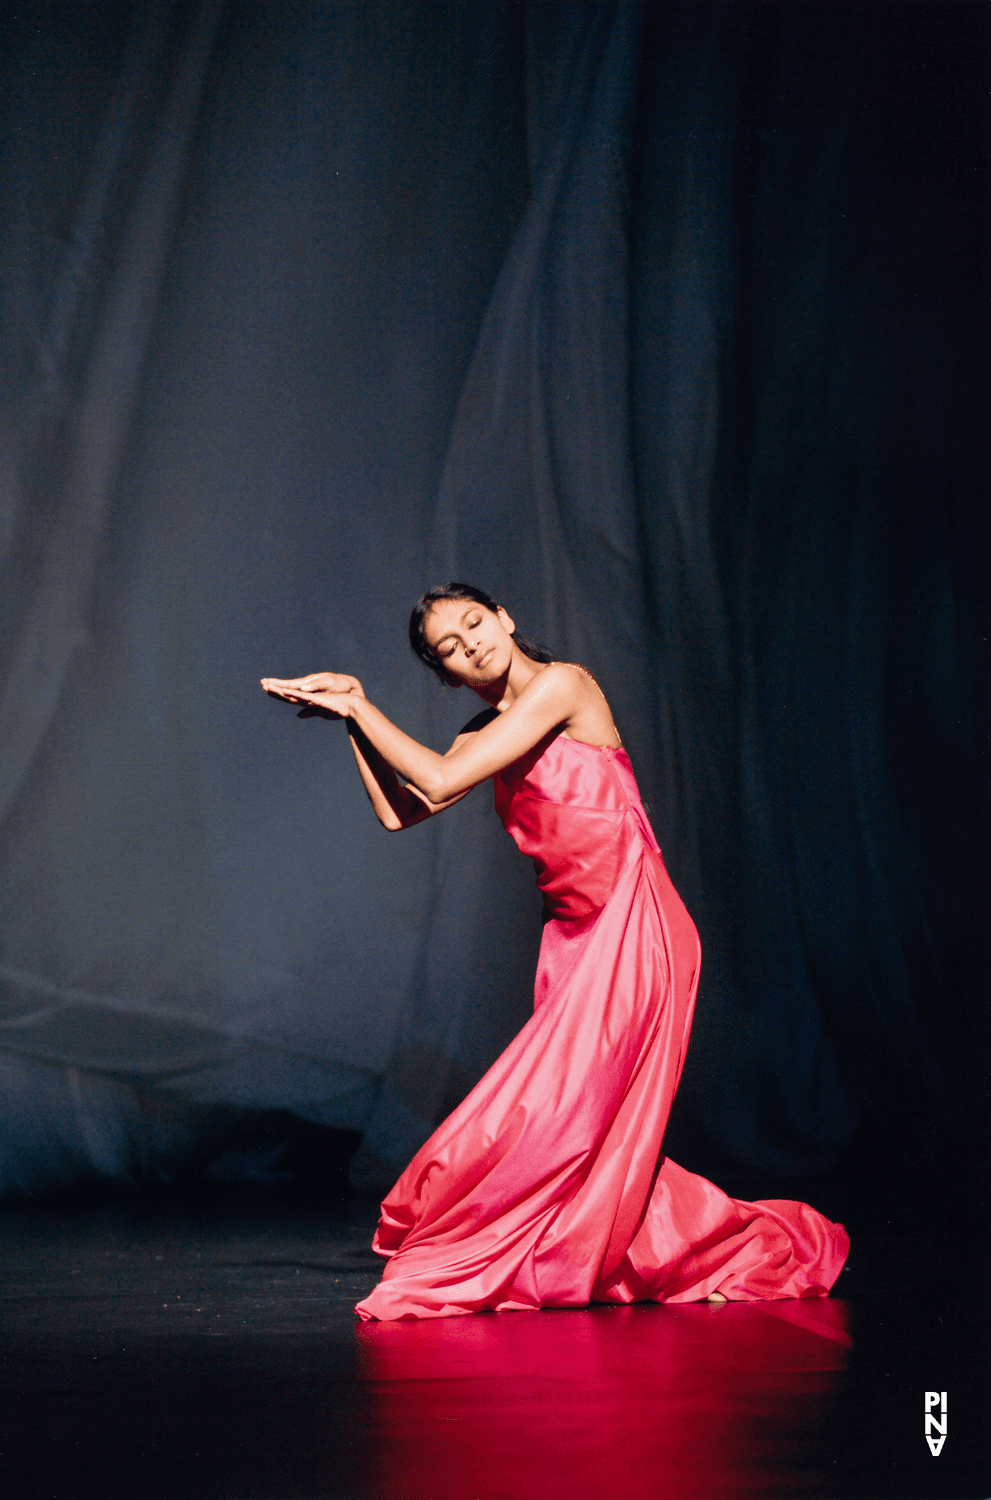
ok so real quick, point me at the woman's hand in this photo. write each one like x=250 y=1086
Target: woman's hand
x=323 y=694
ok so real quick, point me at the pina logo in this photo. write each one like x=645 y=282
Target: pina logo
x=934 y=1400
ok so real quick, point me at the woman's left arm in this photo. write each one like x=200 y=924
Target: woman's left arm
x=545 y=704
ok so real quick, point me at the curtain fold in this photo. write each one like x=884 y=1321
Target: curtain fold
x=88 y=416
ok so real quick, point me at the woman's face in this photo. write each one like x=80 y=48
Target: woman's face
x=471 y=642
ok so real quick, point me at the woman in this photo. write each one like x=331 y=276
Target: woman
x=546 y=1187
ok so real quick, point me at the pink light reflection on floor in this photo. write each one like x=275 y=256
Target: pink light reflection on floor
x=628 y=1402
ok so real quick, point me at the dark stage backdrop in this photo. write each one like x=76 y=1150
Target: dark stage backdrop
x=667 y=325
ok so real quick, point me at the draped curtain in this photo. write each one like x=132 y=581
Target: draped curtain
x=666 y=325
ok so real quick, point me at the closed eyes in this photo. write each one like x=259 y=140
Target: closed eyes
x=471 y=625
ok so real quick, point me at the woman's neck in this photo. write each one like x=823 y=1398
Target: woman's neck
x=505 y=690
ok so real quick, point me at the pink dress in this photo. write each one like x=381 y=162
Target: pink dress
x=546 y=1187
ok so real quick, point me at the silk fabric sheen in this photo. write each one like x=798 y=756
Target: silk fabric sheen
x=546 y=1187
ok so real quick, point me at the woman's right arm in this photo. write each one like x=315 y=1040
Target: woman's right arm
x=396 y=805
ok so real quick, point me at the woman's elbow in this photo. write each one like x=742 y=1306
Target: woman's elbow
x=436 y=790
x=390 y=819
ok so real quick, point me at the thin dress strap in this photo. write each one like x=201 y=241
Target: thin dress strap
x=591 y=675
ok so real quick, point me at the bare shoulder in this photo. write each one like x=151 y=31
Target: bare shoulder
x=553 y=673
x=560 y=688
x=566 y=678
x=588 y=712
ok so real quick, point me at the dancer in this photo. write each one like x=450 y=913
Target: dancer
x=547 y=1186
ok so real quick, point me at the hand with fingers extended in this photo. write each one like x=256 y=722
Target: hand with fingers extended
x=323 y=694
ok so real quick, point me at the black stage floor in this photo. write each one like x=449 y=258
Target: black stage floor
x=201 y=1346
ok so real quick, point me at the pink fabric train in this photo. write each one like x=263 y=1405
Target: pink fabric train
x=546 y=1187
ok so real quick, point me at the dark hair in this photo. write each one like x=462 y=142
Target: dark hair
x=423 y=606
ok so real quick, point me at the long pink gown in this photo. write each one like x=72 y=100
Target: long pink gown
x=546 y=1187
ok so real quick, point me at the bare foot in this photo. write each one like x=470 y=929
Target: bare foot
x=715 y=1297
